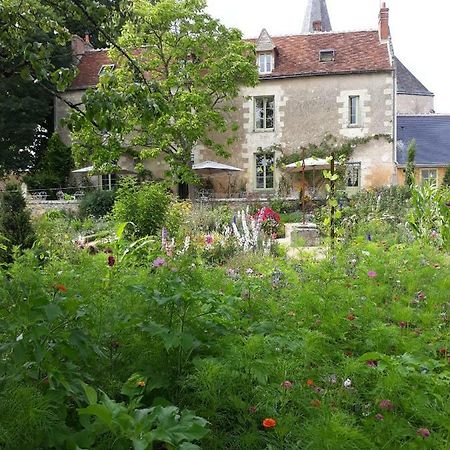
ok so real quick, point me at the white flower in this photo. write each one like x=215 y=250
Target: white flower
x=19 y=338
x=365 y=253
x=249 y=271
x=347 y=383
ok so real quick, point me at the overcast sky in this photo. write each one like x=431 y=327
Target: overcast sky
x=420 y=30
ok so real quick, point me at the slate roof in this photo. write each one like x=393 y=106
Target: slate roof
x=316 y=10
x=432 y=135
x=407 y=83
x=297 y=55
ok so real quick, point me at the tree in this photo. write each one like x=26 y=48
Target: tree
x=177 y=73
x=15 y=223
x=410 y=178
x=36 y=63
x=54 y=168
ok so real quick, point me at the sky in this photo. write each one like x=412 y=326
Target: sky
x=420 y=30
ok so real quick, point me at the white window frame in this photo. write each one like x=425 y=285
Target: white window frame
x=106 y=67
x=109 y=183
x=265 y=63
x=354 y=114
x=353 y=166
x=427 y=178
x=265 y=100
x=265 y=171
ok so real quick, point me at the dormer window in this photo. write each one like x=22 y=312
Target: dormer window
x=106 y=68
x=327 y=55
x=265 y=63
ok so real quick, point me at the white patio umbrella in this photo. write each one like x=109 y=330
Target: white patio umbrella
x=310 y=164
x=89 y=169
x=213 y=167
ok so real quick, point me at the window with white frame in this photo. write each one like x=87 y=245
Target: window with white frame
x=264 y=113
x=265 y=167
x=353 y=175
x=265 y=63
x=428 y=175
x=353 y=110
x=109 y=181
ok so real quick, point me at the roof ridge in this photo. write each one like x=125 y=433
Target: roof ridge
x=317 y=33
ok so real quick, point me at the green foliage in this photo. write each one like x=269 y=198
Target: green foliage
x=209 y=219
x=410 y=178
x=54 y=168
x=173 y=94
x=97 y=203
x=15 y=222
x=446 y=180
x=430 y=215
x=145 y=206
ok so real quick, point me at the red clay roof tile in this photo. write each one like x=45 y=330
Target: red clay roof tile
x=297 y=55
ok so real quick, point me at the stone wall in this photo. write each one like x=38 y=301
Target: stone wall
x=415 y=104
x=40 y=207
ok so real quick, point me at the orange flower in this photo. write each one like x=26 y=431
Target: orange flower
x=61 y=288
x=269 y=423
x=310 y=382
x=141 y=383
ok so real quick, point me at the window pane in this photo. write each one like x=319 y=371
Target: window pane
x=269 y=113
x=353 y=110
x=259 y=113
x=269 y=182
x=262 y=63
x=268 y=63
x=353 y=174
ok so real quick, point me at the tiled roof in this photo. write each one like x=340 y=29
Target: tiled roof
x=432 y=135
x=407 y=83
x=88 y=68
x=298 y=55
x=358 y=51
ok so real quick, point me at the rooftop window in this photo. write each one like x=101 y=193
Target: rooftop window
x=105 y=68
x=326 y=55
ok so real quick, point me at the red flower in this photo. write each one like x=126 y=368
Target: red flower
x=403 y=324
x=310 y=382
x=269 y=423
x=111 y=261
x=61 y=288
x=351 y=317
x=372 y=363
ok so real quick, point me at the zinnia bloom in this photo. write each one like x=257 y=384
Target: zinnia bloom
x=269 y=423
x=158 y=262
x=387 y=405
x=371 y=274
x=310 y=382
x=61 y=288
x=424 y=432
x=111 y=261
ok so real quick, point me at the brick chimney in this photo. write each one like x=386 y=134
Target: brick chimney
x=80 y=46
x=383 y=23
x=317 y=25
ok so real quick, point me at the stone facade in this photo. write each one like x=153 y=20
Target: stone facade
x=415 y=104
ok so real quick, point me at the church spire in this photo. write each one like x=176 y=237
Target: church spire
x=316 y=17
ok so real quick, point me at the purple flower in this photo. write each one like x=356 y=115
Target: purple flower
x=158 y=262
x=369 y=237
x=209 y=239
x=386 y=404
x=424 y=432
x=371 y=274
x=287 y=384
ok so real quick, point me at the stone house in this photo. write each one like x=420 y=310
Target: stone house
x=347 y=84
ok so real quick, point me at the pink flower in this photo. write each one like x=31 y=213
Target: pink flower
x=403 y=324
x=371 y=274
x=372 y=363
x=379 y=416
x=209 y=239
x=424 y=432
x=386 y=404
x=158 y=262
x=287 y=384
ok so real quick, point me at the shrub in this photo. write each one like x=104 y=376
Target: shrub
x=145 y=205
x=97 y=203
x=15 y=220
